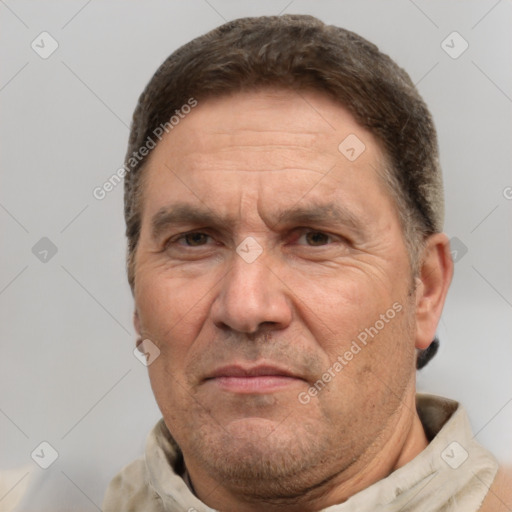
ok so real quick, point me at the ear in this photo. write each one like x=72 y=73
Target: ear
x=432 y=283
x=136 y=322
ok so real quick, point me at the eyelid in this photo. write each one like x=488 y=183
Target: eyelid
x=305 y=230
x=180 y=236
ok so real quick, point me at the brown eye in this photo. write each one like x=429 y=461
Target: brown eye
x=316 y=238
x=195 y=239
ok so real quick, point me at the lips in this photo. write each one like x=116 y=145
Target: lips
x=256 y=371
x=255 y=379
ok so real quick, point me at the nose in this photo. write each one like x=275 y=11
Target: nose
x=252 y=297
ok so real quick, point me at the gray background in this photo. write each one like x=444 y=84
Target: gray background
x=67 y=372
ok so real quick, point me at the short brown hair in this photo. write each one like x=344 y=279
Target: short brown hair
x=300 y=52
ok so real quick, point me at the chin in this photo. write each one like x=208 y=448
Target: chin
x=254 y=429
x=261 y=457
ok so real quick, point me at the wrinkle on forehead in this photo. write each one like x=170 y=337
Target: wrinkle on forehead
x=265 y=121
x=262 y=159
x=252 y=150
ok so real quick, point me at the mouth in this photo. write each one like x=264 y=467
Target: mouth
x=256 y=379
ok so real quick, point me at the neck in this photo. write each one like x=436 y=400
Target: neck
x=401 y=440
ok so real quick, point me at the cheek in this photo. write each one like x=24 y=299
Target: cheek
x=363 y=327
x=369 y=369
x=336 y=309
x=171 y=309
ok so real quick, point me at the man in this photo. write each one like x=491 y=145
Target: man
x=284 y=212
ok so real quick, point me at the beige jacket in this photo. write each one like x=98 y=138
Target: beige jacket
x=453 y=473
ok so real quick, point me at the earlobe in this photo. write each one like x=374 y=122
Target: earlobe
x=435 y=275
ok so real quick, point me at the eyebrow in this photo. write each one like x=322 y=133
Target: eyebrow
x=313 y=213
x=184 y=213
x=319 y=213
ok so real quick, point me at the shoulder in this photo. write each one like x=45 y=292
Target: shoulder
x=130 y=490
x=499 y=497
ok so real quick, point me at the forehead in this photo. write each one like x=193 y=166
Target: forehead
x=304 y=122
x=271 y=145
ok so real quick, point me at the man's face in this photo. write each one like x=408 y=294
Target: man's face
x=265 y=252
